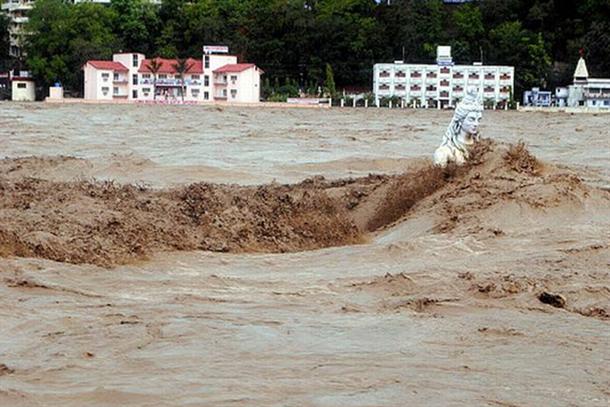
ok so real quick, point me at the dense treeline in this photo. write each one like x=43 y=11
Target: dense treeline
x=294 y=40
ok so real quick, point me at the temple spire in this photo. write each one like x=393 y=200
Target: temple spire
x=581 y=74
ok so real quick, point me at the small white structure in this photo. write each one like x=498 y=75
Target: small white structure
x=588 y=92
x=561 y=96
x=56 y=92
x=23 y=87
x=215 y=77
x=442 y=84
x=537 y=97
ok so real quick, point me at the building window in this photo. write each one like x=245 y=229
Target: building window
x=115 y=90
x=135 y=60
x=195 y=77
x=195 y=92
x=384 y=86
x=444 y=70
x=116 y=77
x=224 y=93
x=162 y=76
x=489 y=76
x=233 y=93
x=430 y=75
x=21 y=86
x=384 y=74
x=134 y=94
x=400 y=74
x=431 y=88
x=206 y=80
x=233 y=78
x=206 y=61
x=444 y=82
x=206 y=95
x=415 y=74
x=473 y=76
x=105 y=90
x=146 y=90
x=105 y=77
x=457 y=75
x=135 y=79
x=146 y=76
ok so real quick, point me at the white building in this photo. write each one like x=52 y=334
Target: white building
x=589 y=92
x=17 y=12
x=441 y=84
x=23 y=88
x=214 y=77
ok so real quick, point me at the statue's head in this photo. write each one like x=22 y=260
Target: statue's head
x=464 y=126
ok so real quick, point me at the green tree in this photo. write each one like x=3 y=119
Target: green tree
x=136 y=24
x=469 y=25
x=525 y=51
x=182 y=66
x=329 y=83
x=597 y=46
x=4 y=42
x=416 y=27
x=154 y=66
x=63 y=37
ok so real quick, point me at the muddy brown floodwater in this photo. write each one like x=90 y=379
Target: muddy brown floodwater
x=197 y=256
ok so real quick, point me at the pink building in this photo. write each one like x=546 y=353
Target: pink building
x=214 y=77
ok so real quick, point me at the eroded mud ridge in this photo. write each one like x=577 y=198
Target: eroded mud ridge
x=105 y=223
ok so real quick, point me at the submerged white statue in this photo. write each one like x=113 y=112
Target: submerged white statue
x=462 y=132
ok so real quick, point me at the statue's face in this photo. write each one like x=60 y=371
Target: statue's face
x=470 y=127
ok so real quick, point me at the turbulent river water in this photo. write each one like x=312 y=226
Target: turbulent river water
x=440 y=308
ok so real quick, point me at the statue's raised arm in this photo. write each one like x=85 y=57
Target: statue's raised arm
x=462 y=132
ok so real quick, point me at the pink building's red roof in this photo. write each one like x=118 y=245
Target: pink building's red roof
x=108 y=65
x=233 y=68
x=167 y=66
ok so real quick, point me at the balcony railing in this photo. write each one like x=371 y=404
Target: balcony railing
x=170 y=82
